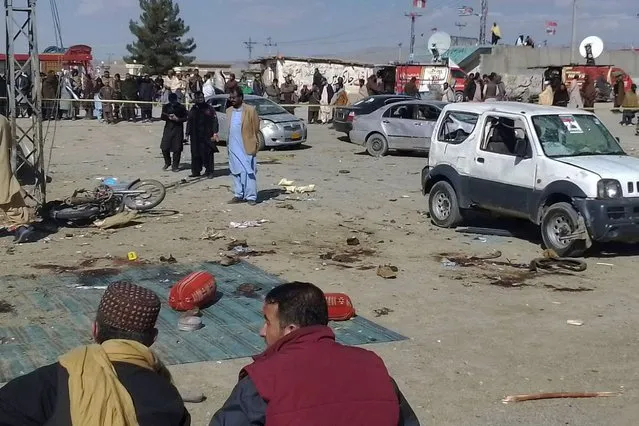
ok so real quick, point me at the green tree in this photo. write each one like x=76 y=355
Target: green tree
x=159 y=32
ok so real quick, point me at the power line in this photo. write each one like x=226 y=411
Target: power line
x=249 y=45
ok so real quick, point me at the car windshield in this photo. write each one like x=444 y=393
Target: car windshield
x=265 y=107
x=569 y=135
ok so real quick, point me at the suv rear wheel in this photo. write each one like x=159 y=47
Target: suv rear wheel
x=443 y=205
x=561 y=220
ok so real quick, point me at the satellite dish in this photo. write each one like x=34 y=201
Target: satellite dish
x=590 y=48
x=438 y=44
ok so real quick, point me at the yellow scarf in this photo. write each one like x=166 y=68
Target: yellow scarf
x=96 y=395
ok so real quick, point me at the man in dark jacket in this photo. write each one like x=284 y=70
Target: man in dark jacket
x=129 y=93
x=147 y=95
x=174 y=115
x=306 y=378
x=117 y=379
x=202 y=127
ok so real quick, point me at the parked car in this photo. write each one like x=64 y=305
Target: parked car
x=405 y=126
x=559 y=168
x=343 y=117
x=277 y=126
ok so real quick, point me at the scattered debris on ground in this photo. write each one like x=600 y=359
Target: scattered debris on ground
x=509 y=274
x=248 y=290
x=347 y=256
x=553 y=395
x=247 y=224
x=352 y=241
x=211 y=234
x=382 y=311
x=387 y=271
x=290 y=187
x=6 y=307
x=577 y=323
x=236 y=243
x=229 y=260
x=169 y=259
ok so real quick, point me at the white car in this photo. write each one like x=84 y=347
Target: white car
x=560 y=168
x=278 y=127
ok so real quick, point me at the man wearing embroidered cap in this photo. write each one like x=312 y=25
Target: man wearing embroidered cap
x=118 y=381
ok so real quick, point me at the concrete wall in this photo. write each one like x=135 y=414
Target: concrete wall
x=514 y=60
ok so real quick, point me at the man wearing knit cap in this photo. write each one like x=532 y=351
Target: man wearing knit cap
x=118 y=381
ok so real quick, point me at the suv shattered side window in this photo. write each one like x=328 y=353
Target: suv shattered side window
x=457 y=126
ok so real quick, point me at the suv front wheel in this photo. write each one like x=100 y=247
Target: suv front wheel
x=443 y=205
x=559 y=222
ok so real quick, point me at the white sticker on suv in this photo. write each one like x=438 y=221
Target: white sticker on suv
x=571 y=124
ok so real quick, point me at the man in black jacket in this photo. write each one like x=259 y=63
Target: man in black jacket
x=202 y=127
x=118 y=379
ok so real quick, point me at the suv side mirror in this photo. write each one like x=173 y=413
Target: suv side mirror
x=618 y=139
x=521 y=148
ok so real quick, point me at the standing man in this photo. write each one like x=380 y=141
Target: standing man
x=202 y=128
x=243 y=144
x=195 y=84
x=130 y=94
x=107 y=94
x=449 y=94
x=273 y=91
x=496 y=34
x=619 y=90
x=410 y=89
x=117 y=380
x=230 y=84
x=304 y=377
x=146 y=94
x=174 y=114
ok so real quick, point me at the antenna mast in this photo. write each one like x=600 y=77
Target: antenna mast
x=249 y=45
x=413 y=17
x=483 y=21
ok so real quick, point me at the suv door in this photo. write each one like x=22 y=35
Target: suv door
x=499 y=180
x=399 y=127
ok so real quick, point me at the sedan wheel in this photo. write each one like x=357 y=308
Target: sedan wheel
x=376 y=145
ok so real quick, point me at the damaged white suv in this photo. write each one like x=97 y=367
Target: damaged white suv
x=559 y=168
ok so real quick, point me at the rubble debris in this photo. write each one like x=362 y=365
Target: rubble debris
x=577 y=323
x=169 y=259
x=387 y=271
x=193 y=398
x=248 y=290
x=211 y=234
x=299 y=189
x=568 y=289
x=352 y=241
x=382 y=311
x=285 y=206
x=229 y=260
x=553 y=395
x=344 y=172
x=236 y=243
x=484 y=231
x=117 y=220
x=247 y=224
x=285 y=182
x=6 y=307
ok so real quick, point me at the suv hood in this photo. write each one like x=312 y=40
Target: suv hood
x=606 y=166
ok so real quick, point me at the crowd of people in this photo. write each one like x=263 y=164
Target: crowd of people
x=120 y=381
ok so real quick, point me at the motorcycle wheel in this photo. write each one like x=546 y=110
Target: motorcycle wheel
x=83 y=212
x=153 y=195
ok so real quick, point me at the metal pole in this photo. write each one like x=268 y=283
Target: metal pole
x=574 y=32
x=482 y=21
x=412 y=37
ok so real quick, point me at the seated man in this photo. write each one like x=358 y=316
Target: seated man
x=117 y=381
x=306 y=378
x=15 y=215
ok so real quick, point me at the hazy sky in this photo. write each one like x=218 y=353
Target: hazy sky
x=332 y=26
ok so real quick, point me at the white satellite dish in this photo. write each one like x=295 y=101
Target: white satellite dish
x=596 y=46
x=438 y=44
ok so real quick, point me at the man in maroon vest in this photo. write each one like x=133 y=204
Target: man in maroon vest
x=306 y=378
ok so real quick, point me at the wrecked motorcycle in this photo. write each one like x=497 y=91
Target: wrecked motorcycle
x=107 y=199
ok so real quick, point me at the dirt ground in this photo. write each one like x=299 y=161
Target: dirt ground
x=477 y=332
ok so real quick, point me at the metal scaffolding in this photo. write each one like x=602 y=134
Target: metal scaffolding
x=28 y=149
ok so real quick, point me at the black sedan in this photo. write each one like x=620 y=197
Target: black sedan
x=343 y=117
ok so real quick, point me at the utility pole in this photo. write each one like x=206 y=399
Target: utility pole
x=249 y=45
x=574 y=32
x=269 y=43
x=413 y=17
x=460 y=26
x=483 y=21
x=28 y=142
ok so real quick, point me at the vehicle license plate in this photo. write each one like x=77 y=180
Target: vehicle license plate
x=296 y=136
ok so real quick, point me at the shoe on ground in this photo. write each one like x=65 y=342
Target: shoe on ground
x=166 y=167
x=194 y=175
x=251 y=202
x=235 y=200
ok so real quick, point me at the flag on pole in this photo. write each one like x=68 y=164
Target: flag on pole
x=419 y=3
x=465 y=11
x=551 y=27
